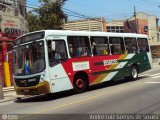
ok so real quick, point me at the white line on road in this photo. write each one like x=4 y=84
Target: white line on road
x=154 y=74
x=152 y=82
x=143 y=75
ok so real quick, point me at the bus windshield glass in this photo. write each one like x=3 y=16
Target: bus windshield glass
x=29 y=59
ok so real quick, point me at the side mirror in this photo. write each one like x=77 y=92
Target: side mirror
x=53 y=45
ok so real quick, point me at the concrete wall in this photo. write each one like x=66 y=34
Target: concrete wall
x=13 y=17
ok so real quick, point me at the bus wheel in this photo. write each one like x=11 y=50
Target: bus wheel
x=80 y=84
x=134 y=73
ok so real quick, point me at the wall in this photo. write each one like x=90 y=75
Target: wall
x=13 y=23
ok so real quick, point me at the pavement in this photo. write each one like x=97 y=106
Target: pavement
x=10 y=94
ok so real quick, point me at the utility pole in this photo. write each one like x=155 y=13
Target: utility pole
x=136 y=21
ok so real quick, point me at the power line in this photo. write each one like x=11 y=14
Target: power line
x=90 y=7
x=147 y=2
x=67 y=11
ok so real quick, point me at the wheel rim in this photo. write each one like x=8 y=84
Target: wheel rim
x=134 y=73
x=79 y=83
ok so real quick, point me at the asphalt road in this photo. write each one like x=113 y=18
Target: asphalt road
x=140 y=97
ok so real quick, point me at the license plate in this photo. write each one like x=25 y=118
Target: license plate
x=26 y=90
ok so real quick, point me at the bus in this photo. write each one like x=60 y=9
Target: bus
x=51 y=61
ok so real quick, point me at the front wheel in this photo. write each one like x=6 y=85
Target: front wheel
x=134 y=73
x=80 y=84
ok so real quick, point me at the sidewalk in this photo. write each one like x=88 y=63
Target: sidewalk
x=9 y=95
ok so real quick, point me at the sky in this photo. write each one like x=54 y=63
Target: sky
x=109 y=9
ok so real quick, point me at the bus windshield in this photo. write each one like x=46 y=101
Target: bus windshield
x=29 y=59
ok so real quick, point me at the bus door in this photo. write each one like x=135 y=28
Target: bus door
x=57 y=55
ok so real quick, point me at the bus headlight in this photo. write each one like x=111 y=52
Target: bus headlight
x=42 y=79
x=43 y=74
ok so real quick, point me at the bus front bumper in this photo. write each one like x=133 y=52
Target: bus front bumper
x=41 y=88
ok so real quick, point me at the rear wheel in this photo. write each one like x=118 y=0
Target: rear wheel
x=134 y=73
x=80 y=84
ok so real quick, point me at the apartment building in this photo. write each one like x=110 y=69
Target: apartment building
x=115 y=26
x=94 y=24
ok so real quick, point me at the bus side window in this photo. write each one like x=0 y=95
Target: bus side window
x=57 y=54
x=105 y=52
x=143 y=45
x=78 y=46
x=100 y=45
x=130 y=45
x=94 y=48
x=71 y=50
x=117 y=45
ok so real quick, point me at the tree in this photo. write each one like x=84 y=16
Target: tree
x=48 y=16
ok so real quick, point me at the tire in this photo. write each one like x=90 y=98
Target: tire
x=134 y=73
x=80 y=84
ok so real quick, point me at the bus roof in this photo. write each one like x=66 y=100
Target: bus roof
x=87 y=33
x=92 y=33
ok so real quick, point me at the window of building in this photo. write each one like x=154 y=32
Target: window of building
x=79 y=46
x=117 y=27
x=143 y=44
x=116 y=45
x=108 y=27
x=121 y=27
x=113 y=27
x=131 y=45
x=121 y=31
x=100 y=46
x=9 y=2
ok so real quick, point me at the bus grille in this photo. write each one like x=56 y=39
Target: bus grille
x=27 y=82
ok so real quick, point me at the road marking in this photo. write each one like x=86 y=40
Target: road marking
x=143 y=75
x=154 y=74
x=72 y=103
x=152 y=82
x=157 y=75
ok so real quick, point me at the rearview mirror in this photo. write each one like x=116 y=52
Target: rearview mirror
x=53 y=45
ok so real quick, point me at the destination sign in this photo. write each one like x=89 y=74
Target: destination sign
x=30 y=37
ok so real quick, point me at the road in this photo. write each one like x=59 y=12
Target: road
x=121 y=97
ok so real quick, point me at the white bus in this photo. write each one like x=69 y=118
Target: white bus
x=51 y=61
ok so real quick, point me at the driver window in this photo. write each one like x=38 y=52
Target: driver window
x=58 y=54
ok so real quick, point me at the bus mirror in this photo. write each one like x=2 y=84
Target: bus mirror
x=53 y=45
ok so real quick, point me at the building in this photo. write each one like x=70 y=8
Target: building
x=12 y=24
x=142 y=23
x=115 y=26
x=146 y=24
x=139 y=26
x=94 y=24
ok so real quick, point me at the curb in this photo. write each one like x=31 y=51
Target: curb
x=7 y=100
x=8 y=89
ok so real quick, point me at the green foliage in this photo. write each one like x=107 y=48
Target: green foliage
x=48 y=16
